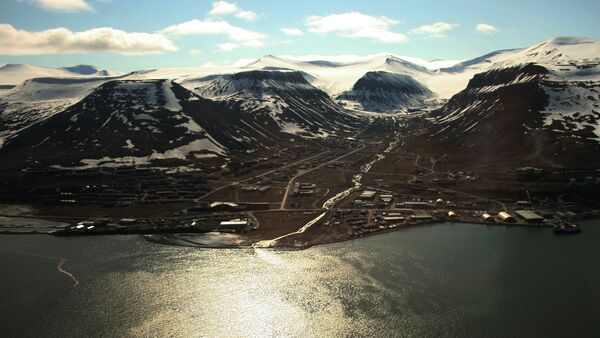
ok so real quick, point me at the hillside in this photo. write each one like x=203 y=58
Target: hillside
x=285 y=100
x=137 y=122
x=386 y=92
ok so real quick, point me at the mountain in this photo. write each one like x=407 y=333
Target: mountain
x=87 y=70
x=540 y=105
x=39 y=98
x=14 y=74
x=481 y=63
x=539 y=102
x=284 y=100
x=381 y=91
x=125 y=122
x=337 y=77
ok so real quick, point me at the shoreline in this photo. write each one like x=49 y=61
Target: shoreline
x=178 y=238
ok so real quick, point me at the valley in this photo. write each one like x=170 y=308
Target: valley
x=298 y=153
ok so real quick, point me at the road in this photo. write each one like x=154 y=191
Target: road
x=258 y=176
x=302 y=172
x=432 y=171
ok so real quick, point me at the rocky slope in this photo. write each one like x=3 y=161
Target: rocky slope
x=283 y=100
x=138 y=122
x=381 y=91
x=541 y=105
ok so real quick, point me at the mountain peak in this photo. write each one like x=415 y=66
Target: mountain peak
x=14 y=66
x=569 y=40
x=83 y=69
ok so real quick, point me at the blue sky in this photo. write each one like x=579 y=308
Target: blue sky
x=126 y=35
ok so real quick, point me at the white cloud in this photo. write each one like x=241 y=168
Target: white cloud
x=62 y=40
x=61 y=5
x=291 y=31
x=228 y=46
x=246 y=15
x=222 y=8
x=210 y=27
x=436 y=30
x=194 y=51
x=486 y=28
x=355 y=25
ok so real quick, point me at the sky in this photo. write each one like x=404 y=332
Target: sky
x=126 y=35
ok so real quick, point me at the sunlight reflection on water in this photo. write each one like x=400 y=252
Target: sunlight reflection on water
x=428 y=281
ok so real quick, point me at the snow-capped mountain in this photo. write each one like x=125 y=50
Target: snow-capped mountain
x=337 y=77
x=14 y=74
x=542 y=102
x=381 y=91
x=39 y=98
x=125 y=122
x=541 y=99
x=283 y=100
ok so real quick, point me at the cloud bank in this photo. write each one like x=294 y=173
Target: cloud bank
x=240 y=35
x=63 y=40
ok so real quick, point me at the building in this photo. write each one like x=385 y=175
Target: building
x=393 y=218
x=421 y=217
x=368 y=194
x=405 y=211
x=127 y=221
x=487 y=218
x=233 y=225
x=386 y=198
x=530 y=216
x=304 y=189
x=392 y=214
x=506 y=217
x=524 y=203
x=417 y=205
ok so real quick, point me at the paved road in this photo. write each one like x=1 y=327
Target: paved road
x=302 y=172
x=259 y=176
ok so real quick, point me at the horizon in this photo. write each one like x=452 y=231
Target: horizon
x=431 y=64
x=102 y=33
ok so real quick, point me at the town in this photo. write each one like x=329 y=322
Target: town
x=345 y=187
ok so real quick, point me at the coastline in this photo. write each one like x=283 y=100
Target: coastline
x=218 y=240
